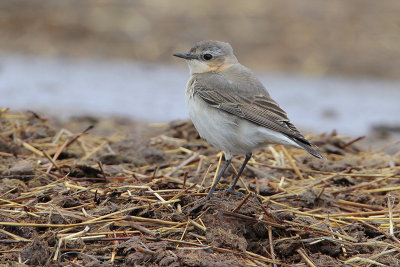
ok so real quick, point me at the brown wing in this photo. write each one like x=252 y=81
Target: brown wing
x=259 y=109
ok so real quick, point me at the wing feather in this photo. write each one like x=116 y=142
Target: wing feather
x=261 y=110
x=258 y=108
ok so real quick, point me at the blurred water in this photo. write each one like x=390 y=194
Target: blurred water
x=155 y=93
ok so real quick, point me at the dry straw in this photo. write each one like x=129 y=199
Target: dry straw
x=296 y=200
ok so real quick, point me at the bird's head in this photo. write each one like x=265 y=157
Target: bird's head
x=209 y=56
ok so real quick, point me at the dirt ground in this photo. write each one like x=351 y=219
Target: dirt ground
x=122 y=194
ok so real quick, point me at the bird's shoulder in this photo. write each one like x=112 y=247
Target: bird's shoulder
x=236 y=87
x=237 y=79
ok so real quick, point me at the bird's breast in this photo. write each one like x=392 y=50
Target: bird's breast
x=213 y=125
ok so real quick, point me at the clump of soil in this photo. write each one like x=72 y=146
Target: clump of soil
x=36 y=253
x=94 y=198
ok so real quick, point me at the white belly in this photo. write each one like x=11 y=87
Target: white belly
x=229 y=133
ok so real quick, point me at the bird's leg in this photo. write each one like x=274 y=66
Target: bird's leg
x=231 y=189
x=210 y=193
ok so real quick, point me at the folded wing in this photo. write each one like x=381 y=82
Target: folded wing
x=259 y=109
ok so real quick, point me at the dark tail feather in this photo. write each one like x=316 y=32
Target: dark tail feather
x=308 y=147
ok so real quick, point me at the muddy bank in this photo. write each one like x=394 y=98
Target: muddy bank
x=124 y=194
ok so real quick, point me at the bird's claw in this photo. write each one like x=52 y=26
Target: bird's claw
x=231 y=191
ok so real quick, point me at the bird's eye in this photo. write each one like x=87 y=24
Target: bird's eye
x=207 y=56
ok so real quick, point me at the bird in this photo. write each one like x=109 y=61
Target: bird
x=232 y=110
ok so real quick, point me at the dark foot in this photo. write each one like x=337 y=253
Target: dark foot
x=231 y=191
x=200 y=202
x=205 y=199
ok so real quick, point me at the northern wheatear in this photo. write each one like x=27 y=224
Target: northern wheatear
x=231 y=109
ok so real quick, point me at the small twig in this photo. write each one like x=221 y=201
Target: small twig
x=33 y=149
x=146 y=250
x=14 y=236
x=391 y=231
x=320 y=230
x=56 y=155
x=271 y=246
x=360 y=205
x=154 y=172
x=292 y=164
x=145 y=230
x=66 y=144
x=94 y=151
x=257 y=186
x=57 y=225
x=7 y=192
x=53 y=163
x=248 y=218
x=360 y=259
x=205 y=176
x=114 y=248
x=320 y=194
x=384 y=252
x=158 y=196
x=184 y=163
x=199 y=166
x=102 y=170
x=242 y=202
x=360 y=185
x=184 y=232
x=352 y=142
x=185 y=179
x=149 y=220
x=74 y=235
x=79 y=135
x=391 y=224
x=218 y=165
x=305 y=257
x=198 y=226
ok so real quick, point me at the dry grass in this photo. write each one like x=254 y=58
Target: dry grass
x=86 y=198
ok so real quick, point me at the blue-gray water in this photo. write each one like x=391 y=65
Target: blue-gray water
x=155 y=93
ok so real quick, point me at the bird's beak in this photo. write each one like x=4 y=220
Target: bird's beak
x=185 y=55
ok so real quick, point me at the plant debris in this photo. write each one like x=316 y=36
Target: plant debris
x=89 y=198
